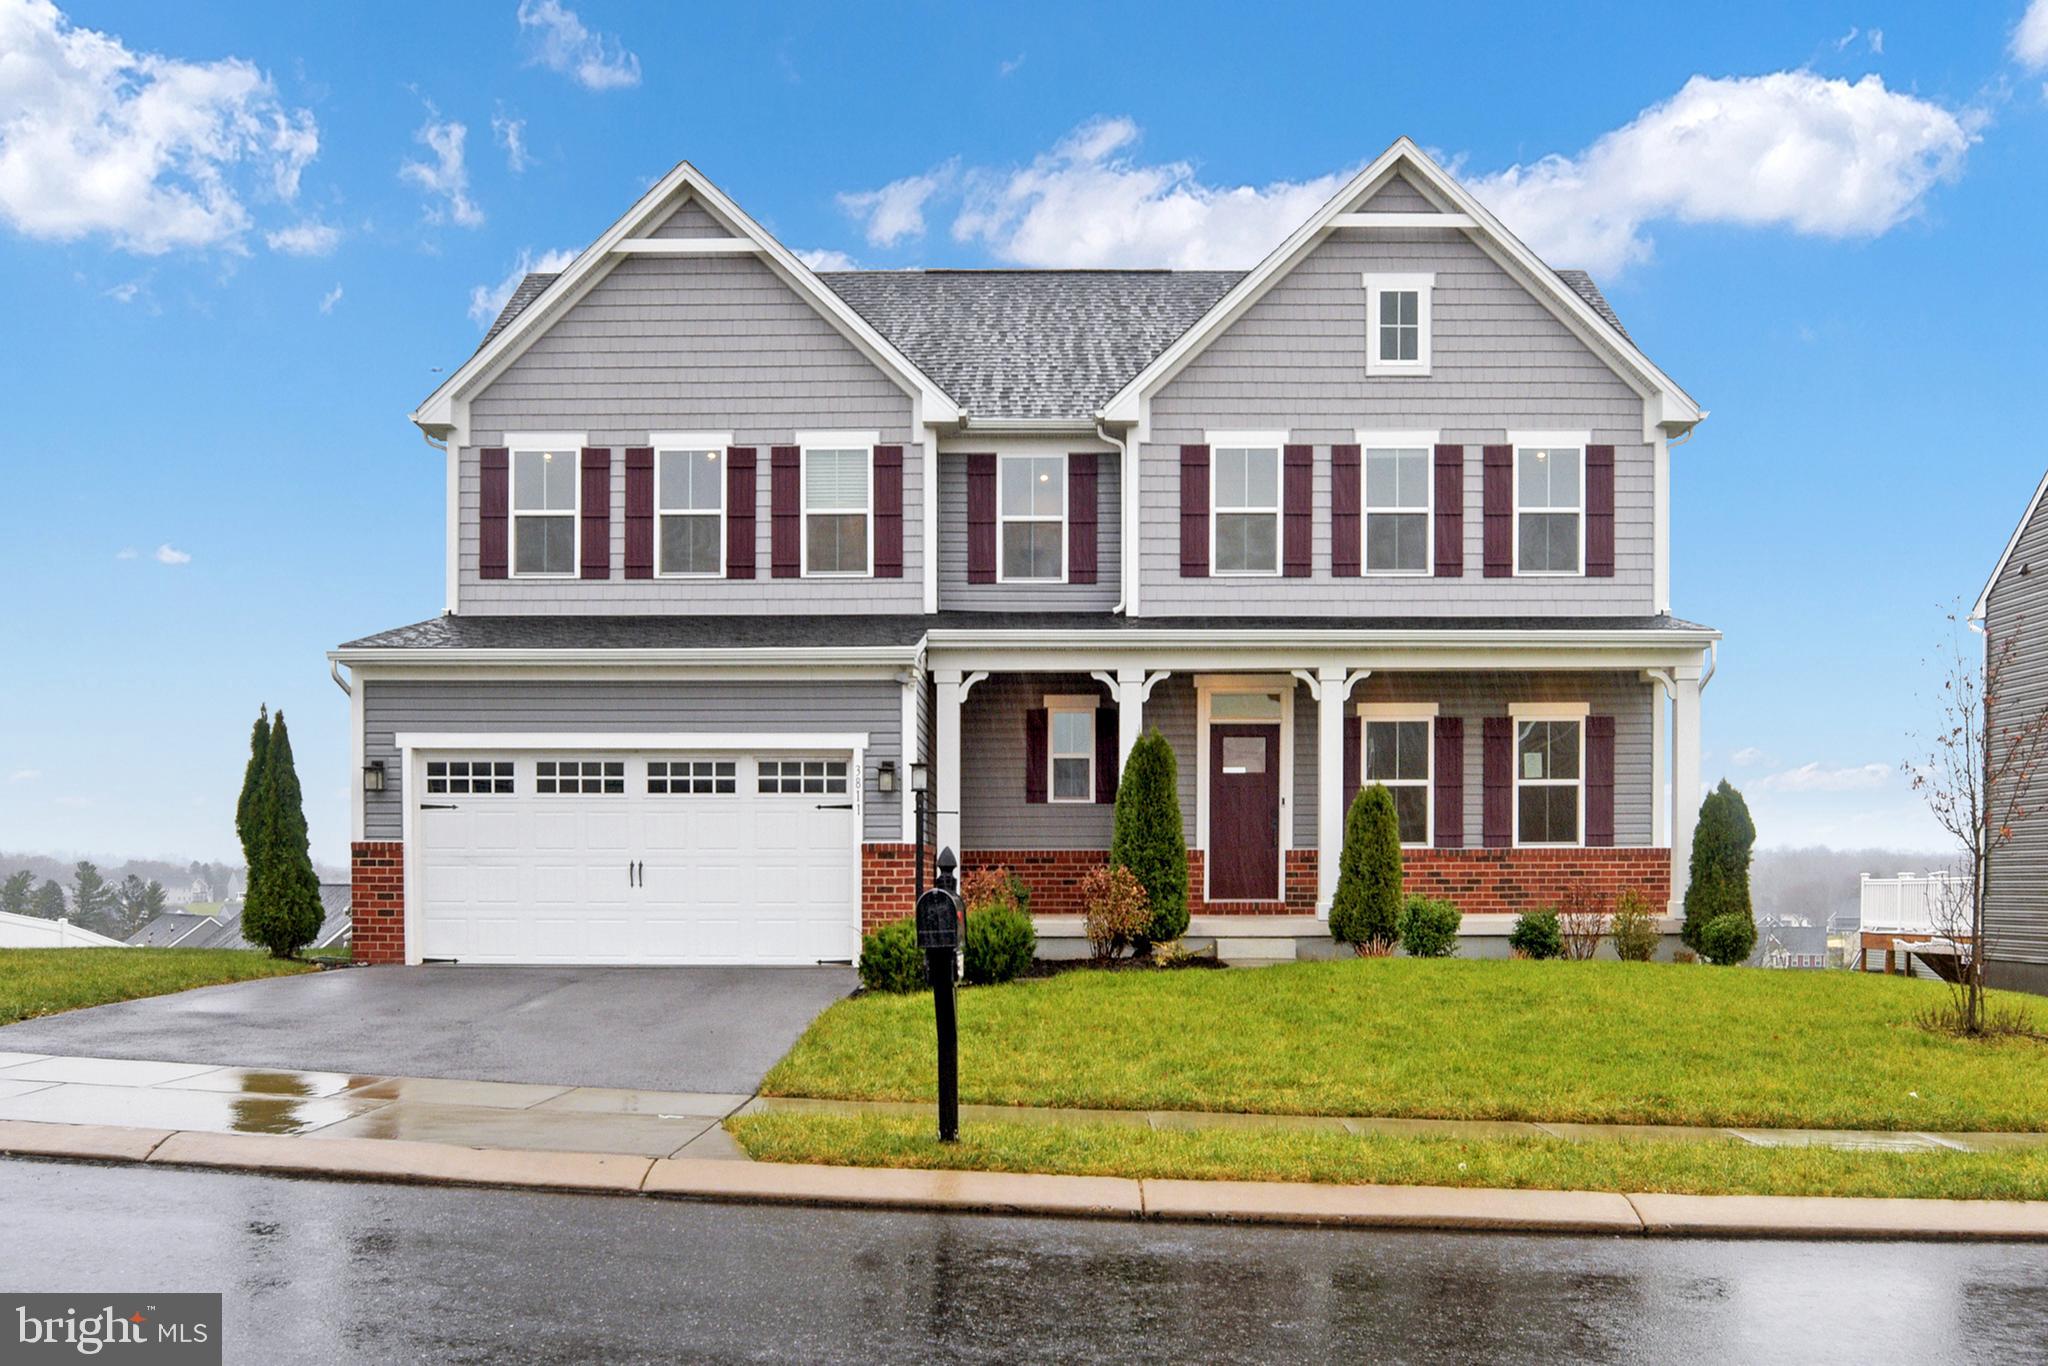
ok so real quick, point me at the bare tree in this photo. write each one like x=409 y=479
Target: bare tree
x=1977 y=781
x=1582 y=920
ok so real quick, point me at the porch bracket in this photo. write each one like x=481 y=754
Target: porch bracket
x=1308 y=678
x=967 y=682
x=1153 y=680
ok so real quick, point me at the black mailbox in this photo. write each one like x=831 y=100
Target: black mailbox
x=938 y=920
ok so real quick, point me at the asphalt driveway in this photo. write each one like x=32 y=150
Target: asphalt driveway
x=664 y=1029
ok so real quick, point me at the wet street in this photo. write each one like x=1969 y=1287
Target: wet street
x=331 y=1271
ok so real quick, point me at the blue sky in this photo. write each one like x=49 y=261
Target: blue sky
x=236 y=244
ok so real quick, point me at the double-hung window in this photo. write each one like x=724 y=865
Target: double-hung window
x=1244 y=500
x=1550 y=770
x=1550 y=503
x=1397 y=311
x=1032 y=507
x=545 y=498
x=839 y=524
x=1397 y=492
x=1070 y=733
x=689 y=502
x=1396 y=754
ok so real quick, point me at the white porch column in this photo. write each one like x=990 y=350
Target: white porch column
x=952 y=691
x=1685 y=777
x=1130 y=712
x=1331 y=692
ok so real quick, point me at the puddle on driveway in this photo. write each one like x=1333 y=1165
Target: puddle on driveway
x=262 y=1081
x=156 y=1107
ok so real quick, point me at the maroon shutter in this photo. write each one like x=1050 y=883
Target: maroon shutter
x=1497 y=760
x=597 y=513
x=888 y=512
x=1105 y=755
x=1297 y=497
x=1354 y=758
x=494 y=512
x=1600 y=780
x=740 y=494
x=1081 y=518
x=981 y=519
x=1450 y=512
x=1500 y=512
x=1344 y=537
x=1600 y=512
x=1037 y=745
x=1449 y=776
x=786 y=516
x=1194 y=512
x=639 y=512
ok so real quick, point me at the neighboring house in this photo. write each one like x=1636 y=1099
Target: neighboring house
x=34 y=932
x=173 y=929
x=1788 y=945
x=2014 y=607
x=180 y=929
x=736 y=550
x=334 y=926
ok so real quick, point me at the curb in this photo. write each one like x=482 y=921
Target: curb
x=1259 y=1202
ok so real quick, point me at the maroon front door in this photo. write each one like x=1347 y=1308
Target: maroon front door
x=1244 y=812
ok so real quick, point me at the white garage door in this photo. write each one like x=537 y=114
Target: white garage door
x=557 y=857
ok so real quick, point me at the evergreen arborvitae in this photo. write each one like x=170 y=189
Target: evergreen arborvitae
x=1366 y=910
x=282 y=909
x=1147 y=836
x=1721 y=845
x=247 y=816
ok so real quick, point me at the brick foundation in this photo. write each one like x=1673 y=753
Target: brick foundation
x=377 y=900
x=1508 y=881
x=1054 y=876
x=888 y=883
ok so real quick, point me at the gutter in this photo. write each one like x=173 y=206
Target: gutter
x=1126 y=481
x=1027 y=639
x=713 y=656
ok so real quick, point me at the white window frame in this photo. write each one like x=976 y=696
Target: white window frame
x=533 y=443
x=1517 y=442
x=691 y=443
x=1369 y=712
x=1422 y=286
x=1003 y=519
x=1368 y=442
x=1576 y=713
x=1069 y=702
x=832 y=441
x=1277 y=443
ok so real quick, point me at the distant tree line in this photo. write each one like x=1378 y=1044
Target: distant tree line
x=117 y=909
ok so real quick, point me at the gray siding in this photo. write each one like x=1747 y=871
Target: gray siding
x=993 y=812
x=1398 y=195
x=692 y=220
x=957 y=594
x=686 y=344
x=2016 y=893
x=389 y=708
x=1296 y=361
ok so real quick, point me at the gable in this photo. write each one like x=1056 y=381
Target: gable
x=2027 y=546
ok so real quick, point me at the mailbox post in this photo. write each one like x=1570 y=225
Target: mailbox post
x=938 y=934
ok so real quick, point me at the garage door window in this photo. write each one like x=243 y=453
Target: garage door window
x=589 y=777
x=826 y=776
x=472 y=777
x=691 y=777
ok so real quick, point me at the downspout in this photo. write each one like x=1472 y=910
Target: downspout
x=334 y=671
x=440 y=446
x=1123 y=530
x=1713 y=663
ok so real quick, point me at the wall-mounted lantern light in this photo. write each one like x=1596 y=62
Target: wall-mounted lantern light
x=885 y=776
x=373 y=776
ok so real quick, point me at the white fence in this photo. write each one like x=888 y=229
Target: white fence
x=1913 y=903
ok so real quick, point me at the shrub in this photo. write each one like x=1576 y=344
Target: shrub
x=1147 y=837
x=1728 y=940
x=1118 y=913
x=1429 y=928
x=1633 y=929
x=990 y=886
x=1719 y=884
x=890 y=959
x=1582 y=920
x=1536 y=934
x=282 y=910
x=1366 y=911
x=1000 y=943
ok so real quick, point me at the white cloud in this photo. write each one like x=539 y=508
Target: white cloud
x=1877 y=42
x=1009 y=68
x=511 y=135
x=1828 y=158
x=330 y=299
x=168 y=554
x=447 y=177
x=486 y=302
x=595 y=61
x=1745 y=757
x=825 y=258
x=24 y=775
x=310 y=238
x=1820 y=778
x=2030 y=37
x=127 y=552
x=895 y=211
x=123 y=293
x=155 y=152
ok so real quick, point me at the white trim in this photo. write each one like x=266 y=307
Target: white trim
x=529 y=445
x=1402 y=220
x=709 y=740
x=1072 y=703
x=1557 y=713
x=807 y=442
x=1370 y=441
x=531 y=441
x=1064 y=519
x=1422 y=286
x=1660 y=522
x=691 y=443
x=2012 y=543
x=1397 y=711
x=1276 y=441
x=451 y=568
x=1206 y=687
x=1369 y=712
x=687 y=246
x=910 y=747
x=1580 y=438
x=1553 y=441
x=358 y=756
x=1550 y=711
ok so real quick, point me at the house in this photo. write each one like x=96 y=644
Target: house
x=1790 y=944
x=220 y=926
x=2012 y=609
x=739 y=555
x=34 y=932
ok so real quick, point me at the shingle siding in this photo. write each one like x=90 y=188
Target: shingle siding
x=2016 y=905
x=957 y=594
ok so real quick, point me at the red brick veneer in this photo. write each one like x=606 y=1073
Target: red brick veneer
x=1054 y=876
x=377 y=900
x=888 y=883
x=1507 y=881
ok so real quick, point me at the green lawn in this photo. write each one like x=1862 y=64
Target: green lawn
x=1629 y=1042
x=1537 y=1164
x=45 y=981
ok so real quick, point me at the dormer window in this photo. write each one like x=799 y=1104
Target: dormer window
x=1397 y=311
